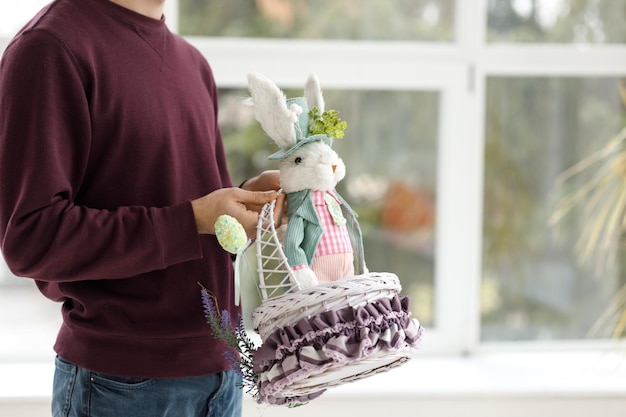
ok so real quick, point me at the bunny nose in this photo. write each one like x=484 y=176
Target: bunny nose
x=334 y=168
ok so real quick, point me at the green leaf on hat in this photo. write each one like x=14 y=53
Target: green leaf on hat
x=326 y=123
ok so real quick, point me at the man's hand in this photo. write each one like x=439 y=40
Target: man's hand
x=238 y=203
x=268 y=180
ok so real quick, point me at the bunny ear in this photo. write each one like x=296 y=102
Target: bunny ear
x=270 y=109
x=313 y=93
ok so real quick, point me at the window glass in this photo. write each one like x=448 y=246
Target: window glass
x=429 y=20
x=28 y=321
x=390 y=159
x=537 y=283
x=15 y=14
x=557 y=21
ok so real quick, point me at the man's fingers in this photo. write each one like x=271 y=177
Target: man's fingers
x=262 y=197
x=254 y=198
x=249 y=222
x=254 y=201
x=279 y=210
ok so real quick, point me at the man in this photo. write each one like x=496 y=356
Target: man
x=112 y=174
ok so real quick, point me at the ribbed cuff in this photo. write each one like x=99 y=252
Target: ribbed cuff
x=178 y=233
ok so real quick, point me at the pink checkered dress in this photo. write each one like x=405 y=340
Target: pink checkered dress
x=335 y=238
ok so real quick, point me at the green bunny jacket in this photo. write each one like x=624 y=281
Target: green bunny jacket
x=304 y=230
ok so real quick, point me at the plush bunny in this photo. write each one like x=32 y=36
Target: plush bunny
x=323 y=240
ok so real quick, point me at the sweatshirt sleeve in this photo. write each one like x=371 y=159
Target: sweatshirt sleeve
x=44 y=150
x=221 y=160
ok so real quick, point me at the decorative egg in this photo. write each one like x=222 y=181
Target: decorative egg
x=230 y=234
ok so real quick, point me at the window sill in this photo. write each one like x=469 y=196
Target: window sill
x=520 y=374
x=517 y=374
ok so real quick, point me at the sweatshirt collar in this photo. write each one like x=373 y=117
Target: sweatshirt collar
x=129 y=16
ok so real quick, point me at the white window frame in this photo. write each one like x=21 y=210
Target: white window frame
x=453 y=367
x=398 y=66
x=458 y=72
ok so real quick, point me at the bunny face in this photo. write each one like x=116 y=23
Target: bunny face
x=315 y=166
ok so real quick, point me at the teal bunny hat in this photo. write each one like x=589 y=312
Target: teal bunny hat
x=303 y=135
x=294 y=122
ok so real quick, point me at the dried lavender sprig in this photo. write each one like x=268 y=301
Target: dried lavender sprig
x=241 y=348
x=220 y=323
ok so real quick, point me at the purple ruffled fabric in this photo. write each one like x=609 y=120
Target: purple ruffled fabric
x=332 y=339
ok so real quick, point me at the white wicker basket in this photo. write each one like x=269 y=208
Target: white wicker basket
x=284 y=306
x=290 y=307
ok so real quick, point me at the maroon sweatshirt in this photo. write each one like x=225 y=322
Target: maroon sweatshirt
x=108 y=129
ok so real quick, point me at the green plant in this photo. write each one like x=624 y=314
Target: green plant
x=601 y=197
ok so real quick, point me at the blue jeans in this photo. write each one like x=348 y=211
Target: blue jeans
x=78 y=392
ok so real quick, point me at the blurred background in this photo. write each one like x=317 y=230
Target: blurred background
x=486 y=158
